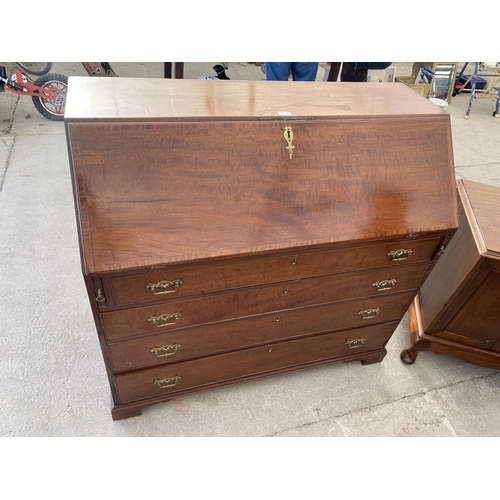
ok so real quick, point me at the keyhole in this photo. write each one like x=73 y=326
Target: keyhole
x=288 y=133
x=294 y=261
x=286 y=290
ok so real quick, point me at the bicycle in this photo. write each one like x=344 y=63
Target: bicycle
x=48 y=91
x=35 y=68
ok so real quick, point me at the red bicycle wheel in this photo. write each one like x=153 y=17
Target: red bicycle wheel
x=53 y=109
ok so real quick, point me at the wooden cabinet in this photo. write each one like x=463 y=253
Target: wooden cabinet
x=457 y=309
x=235 y=230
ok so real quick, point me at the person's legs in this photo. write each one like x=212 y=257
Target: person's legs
x=304 y=71
x=349 y=74
x=278 y=70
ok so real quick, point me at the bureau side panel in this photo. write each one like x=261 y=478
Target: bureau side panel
x=449 y=275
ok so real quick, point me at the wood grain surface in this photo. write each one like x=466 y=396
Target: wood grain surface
x=164 y=193
x=140 y=98
x=484 y=215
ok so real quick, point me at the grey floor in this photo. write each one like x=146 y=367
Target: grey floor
x=52 y=377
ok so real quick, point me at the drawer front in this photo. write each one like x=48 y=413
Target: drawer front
x=258 y=360
x=250 y=331
x=175 y=281
x=257 y=300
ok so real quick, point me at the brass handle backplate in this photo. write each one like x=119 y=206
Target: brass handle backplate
x=165 y=350
x=352 y=344
x=400 y=254
x=164 y=286
x=167 y=382
x=369 y=313
x=164 y=319
x=289 y=138
x=380 y=286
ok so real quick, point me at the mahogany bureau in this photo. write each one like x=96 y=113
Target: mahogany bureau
x=457 y=310
x=235 y=230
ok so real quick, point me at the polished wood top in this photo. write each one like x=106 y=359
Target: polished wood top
x=482 y=204
x=175 y=99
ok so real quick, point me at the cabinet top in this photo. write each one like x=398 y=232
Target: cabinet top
x=482 y=206
x=138 y=98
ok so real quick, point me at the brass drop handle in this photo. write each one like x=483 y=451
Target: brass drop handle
x=354 y=343
x=380 y=286
x=165 y=350
x=164 y=286
x=167 y=382
x=369 y=313
x=401 y=254
x=100 y=296
x=164 y=319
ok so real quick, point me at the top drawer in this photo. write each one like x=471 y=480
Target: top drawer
x=175 y=281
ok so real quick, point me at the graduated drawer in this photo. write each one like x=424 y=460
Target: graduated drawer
x=261 y=360
x=257 y=300
x=175 y=281
x=250 y=331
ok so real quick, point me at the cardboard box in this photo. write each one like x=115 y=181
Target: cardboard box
x=381 y=75
x=424 y=89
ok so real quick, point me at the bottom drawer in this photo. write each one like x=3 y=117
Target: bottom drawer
x=180 y=376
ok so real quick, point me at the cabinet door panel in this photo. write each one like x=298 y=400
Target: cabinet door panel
x=479 y=318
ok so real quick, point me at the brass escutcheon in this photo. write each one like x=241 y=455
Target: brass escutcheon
x=380 y=286
x=352 y=344
x=400 y=254
x=165 y=285
x=369 y=313
x=289 y=138
x=165 y=350
x=164 y=319
x=167 y=382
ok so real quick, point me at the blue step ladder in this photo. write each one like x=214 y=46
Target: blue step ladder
x=473 y=80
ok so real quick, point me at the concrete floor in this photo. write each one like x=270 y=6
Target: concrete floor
x=52 y=377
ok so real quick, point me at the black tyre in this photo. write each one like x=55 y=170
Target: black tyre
x=52 y=107
x=36 y=68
